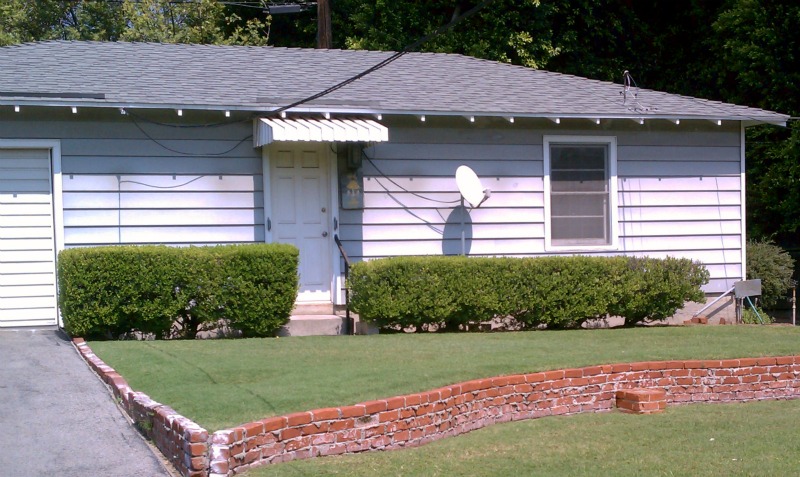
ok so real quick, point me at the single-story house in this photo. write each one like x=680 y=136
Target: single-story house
x=136 y=143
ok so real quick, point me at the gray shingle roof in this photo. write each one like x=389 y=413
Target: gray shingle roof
x=263 y=78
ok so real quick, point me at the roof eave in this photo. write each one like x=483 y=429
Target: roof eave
x=750 y=123
x=747 y=120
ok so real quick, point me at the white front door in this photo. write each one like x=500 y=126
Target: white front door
x=27 y=239
x=301 y=212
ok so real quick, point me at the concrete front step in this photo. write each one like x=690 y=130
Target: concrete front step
x=313 y=309
x=313 y=325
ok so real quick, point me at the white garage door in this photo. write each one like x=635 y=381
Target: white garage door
x=27 y=239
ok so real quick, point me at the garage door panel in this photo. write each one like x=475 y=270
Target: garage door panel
x=45 y=232
x=23 y=186
x=42 y=175
x=31 y=156
x=26 y=256
x=12 y=198
x=26 y=208
x=26 y=244
x=30 y=278
x=25 y=316
x=17 y=221
x=27 y=291
x=13 y=268
x=25 y=302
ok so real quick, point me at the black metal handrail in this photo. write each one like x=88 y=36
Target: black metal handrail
x=349 y=325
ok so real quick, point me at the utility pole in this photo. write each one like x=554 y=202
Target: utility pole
x=324 y=33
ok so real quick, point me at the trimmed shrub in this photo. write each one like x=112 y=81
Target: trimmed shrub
x=105 y=292
x=654 y=289
x=558 y=292
x=259 y=287
x=421 y=291
x=774 y=266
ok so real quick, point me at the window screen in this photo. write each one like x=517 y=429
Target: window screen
x=579 y=194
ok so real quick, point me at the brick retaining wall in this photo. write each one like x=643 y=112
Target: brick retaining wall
x=183 y=442
x=415 y=419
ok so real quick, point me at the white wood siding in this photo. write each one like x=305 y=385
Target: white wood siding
x=679 y=193
x=27 y=239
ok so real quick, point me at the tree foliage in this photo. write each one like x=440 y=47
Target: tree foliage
x=758 y=47
x=578 y=36
x=200 y=21
x=773 y=266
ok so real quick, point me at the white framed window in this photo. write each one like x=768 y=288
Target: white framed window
x=580 y=193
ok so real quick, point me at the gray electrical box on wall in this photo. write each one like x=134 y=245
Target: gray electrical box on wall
x=747 y=288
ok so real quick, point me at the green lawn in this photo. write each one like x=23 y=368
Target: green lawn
x=753 y=439
x=222 y=383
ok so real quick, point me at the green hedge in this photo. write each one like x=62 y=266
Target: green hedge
x=654 y=289
x=105 y=292
x=559 y=292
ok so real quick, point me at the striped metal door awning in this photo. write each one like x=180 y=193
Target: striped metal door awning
x=268 y=130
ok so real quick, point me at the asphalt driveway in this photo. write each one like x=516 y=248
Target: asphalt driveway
x=57 y=418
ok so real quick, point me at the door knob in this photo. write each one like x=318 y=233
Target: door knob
x=324 y=234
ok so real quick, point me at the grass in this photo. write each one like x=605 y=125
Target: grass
x=223 y=383
x=753 y=439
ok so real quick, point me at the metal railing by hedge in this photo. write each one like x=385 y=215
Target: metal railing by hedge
x=559 y=292
x=107 y=292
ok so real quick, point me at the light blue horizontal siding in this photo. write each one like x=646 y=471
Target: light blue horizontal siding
x=135 y=165
x=199 y=146
x=159 y=199
x=678 y=194
x=678 y=187
x=170 y=186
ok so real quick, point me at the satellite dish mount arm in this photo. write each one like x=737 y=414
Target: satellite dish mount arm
x=473 y=193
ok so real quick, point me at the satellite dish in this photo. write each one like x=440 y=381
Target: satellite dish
x=470 y=186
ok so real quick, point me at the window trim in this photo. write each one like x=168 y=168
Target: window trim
x=611 y=143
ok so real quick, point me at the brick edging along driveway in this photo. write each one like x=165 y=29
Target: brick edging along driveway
x=415 y=419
